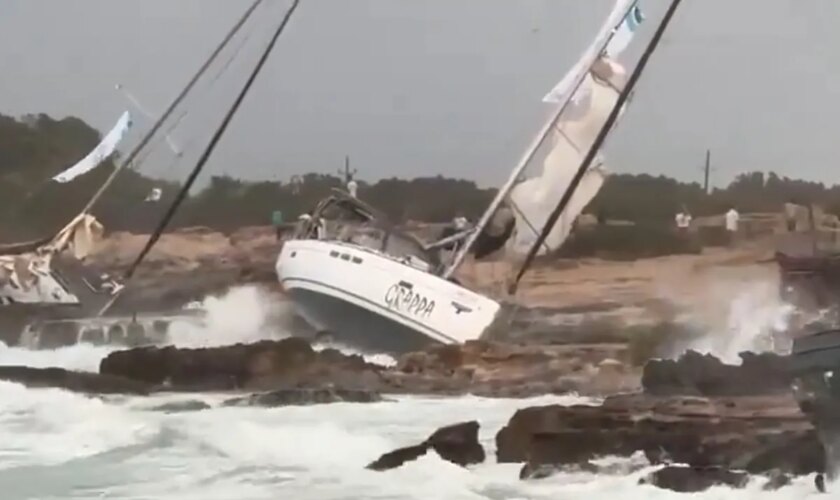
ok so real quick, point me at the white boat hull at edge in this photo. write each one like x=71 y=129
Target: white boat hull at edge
x=374 y=302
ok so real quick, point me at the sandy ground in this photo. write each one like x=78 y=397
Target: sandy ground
x=704 y=286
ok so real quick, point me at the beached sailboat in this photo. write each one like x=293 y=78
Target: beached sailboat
x=43 y=272
x=353 y=275
x=46 y=280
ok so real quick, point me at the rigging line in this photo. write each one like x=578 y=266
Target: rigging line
x=530 y=225
x=174 y=104
x=599 y=140
x=179 y=198
x=233 y=56
x=222 y=71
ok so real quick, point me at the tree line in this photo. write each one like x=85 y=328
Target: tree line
x=34 y=148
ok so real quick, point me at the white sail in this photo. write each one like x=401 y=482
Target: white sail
x=102 y=151
x=591 y=90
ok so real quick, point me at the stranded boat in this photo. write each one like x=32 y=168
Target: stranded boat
x=357 y=278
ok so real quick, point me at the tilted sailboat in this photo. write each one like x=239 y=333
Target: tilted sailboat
x=30 y=272
x=353 y=275
x=47 y=278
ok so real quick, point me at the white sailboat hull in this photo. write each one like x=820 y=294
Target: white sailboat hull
x=372 y=301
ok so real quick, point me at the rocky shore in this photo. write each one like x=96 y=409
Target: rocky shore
x=703 y=421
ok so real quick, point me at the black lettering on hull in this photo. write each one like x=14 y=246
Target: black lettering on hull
x=406 y=300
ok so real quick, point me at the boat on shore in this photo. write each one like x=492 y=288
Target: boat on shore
x=357 y=279
x=45 y=285
x=351 y=273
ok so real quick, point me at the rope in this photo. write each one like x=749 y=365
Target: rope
x=155 y=236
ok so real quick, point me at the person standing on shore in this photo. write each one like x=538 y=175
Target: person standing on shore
x=683 y=220
x=732 y=218
x=791 y=209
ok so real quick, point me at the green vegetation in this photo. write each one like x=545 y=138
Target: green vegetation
x=35 y=147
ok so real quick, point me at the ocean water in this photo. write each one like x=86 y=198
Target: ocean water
x=59 y=445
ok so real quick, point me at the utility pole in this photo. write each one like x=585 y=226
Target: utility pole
x=707 y=168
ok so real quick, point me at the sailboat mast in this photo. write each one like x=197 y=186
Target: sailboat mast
x=169 y=110
x=512 y=180
x=211 y=146
x=599 y=141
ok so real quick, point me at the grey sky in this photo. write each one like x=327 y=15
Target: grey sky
x=420 y=87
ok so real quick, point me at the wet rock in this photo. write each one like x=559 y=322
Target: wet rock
x=291 y=362
x=289 y=397
x=72 y=381
x=542 y=471
x=695 y=479
x=396 y=458
x=456 y=443
x=481 y=368
x=776 y=480
x=755 y=434
x=182 y=406
x=705 y=375
x=496 y=369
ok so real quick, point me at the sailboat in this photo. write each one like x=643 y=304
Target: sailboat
x=47 y=278
x=358 y=279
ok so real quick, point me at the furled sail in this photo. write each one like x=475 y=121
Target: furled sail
x=103 y=150
x=588 y=94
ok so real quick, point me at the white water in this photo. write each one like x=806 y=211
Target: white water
x=56 y=445
x=59 y=445
x=746 y=316
x=245 y=314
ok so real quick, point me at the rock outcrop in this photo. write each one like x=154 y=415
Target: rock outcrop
x=705 y=375
x=456 y=443
x=299 y=397
x=60 y=378
x=510 y=370
x=695 y=479
x=482 y=368
x=270 y=365
x=754 y=434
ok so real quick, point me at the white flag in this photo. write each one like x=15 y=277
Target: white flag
x=624 y=33
x=102 y=151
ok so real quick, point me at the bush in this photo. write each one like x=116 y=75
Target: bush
x=627 y=242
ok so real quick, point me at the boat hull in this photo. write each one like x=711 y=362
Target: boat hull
x=370 y=301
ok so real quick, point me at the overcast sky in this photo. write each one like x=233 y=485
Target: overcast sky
x=421 y=87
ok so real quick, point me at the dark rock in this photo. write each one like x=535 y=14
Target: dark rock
x=542 y=471
x=289 y=397
x=537 y=471
x=290 y=362
x=695 y=374
x=73 y=381
x=182 y=406
x=776 y=480
x=695 y=479
x=496 y=369
x=456 y=443
x=396 y=458
x=819 y=482
x=755 y=434
x=483 y=368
